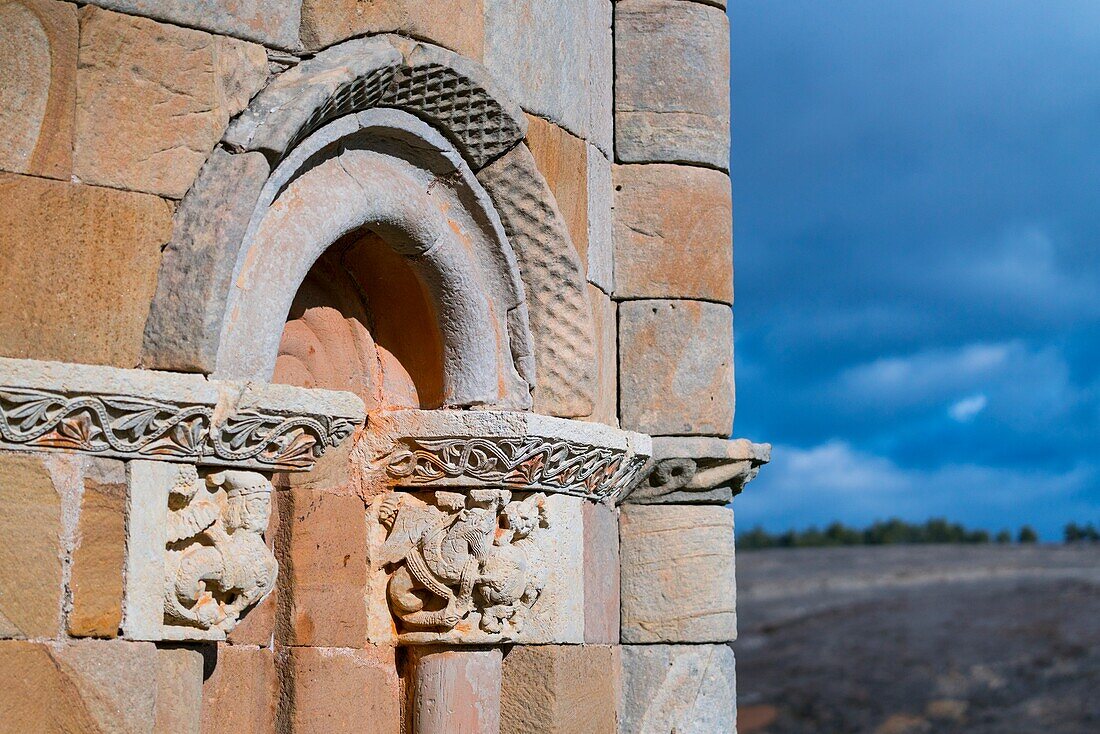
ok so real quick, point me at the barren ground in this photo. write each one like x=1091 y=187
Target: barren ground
x=919 y=639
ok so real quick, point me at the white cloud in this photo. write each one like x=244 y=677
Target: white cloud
x=835 y=481
x=967 y=409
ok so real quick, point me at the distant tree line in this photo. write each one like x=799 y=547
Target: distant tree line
x=1075 y=533
x=888 y=532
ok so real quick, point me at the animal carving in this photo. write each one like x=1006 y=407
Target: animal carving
x=217 y=564
x=475 y=552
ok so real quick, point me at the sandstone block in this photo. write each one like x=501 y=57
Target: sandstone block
x=146 y=530
x=31 y=553
x=38 y=42
x=601 y=574
x=241 y=690
x=559 y=689
x=671 y=83
x=677 y=574
x=342 y=690
x=179 y=691
x=453 y=24
x=270 y=22
x=601 y=264
x=673 y=232
x=605 y=318
x=153 y=99
x=554 y=58
x=688 y=689
x=562 y=159
x=322 y=552
x=100 y=247
x=99 y=555
x=676 y=367
x=78 y=686
x=455 y=691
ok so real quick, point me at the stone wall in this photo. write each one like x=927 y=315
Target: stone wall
x=489 y=245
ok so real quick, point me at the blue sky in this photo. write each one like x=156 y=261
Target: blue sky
x=917 y=259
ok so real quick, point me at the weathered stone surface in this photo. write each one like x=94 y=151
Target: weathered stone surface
x=323 y=552
x=677 y=574
x=241 y=690
x=38 y=42
x=562 y=159
x=445 y=449
x=561 y=689
x=30 y=556
x=546 y=562
x=554 y=279
x=453 y=24
x=341 y=690
x=78 y=686
x=673 y=233
x=688 y=689
x=671 y=83
x=676 y=367
x=554 y=58
x=179 y=691
x=99 y=555
x=133 y=414
x=601 y=574
x=101 y=247
x=257 y=627
x=146 y=530
x=695 y=470
x=601 y=264
x=153 y=99
x=198 y=262
x=455 y=692
x=605 y=316
x=270 y=22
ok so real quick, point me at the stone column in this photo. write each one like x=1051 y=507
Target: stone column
x=455 y=691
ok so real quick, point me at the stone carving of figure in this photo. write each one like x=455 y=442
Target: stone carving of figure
x=217 y=564
x=464 y=553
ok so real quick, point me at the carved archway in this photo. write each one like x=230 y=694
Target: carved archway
x=411 y=143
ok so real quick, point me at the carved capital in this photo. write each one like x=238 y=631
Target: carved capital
x=699 y=470
x=470 y=562
x=216 y=564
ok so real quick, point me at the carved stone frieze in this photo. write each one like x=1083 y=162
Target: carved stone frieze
x=134 y=414
x=217 y=565
x=699 y=470
x=519 y=451
x=473 y=560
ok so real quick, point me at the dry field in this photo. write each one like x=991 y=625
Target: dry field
x=919 y=640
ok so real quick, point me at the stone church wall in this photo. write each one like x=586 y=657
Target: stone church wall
x=582 y=305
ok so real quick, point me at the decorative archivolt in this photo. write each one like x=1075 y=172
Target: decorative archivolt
x=385 y=111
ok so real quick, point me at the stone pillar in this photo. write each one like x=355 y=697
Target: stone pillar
x=455 y=691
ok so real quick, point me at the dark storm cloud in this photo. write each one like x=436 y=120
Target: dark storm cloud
x=918 y=255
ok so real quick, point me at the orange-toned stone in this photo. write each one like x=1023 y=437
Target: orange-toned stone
x=453 y=24
x=455 y=691
x=323 y=551
x=38 y=40
x=79 y=269
x=601 y=573
x=562 y=159
x=31 y=551
x=179 y=690
x=561 y=689
x=241 y=691
x=99 y=555
x=676 y=367
x=673 y=233
x=342 y=690
x=153 y=99
x=83 y=687
x=604 y=318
